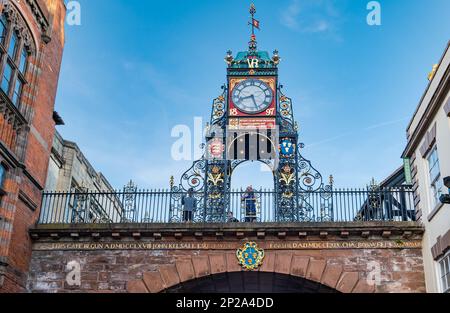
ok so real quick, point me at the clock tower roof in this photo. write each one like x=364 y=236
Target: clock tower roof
x=244 y=59
x=244 y=55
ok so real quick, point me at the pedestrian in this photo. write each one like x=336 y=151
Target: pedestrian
x=189 y=204
x=249 y=200
x=231 y=218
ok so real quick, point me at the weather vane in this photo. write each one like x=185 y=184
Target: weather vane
x=255 y=24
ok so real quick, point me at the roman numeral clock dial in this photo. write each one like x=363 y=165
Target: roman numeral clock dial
x=252 y=96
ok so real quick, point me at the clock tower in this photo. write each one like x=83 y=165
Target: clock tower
x=252 y=120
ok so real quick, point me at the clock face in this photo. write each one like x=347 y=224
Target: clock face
x=252 y=96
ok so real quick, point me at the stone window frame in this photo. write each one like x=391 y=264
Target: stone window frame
x=447 y=108
x=444 y=272
x=428 y=141
x=24 y=45
x=435 y=183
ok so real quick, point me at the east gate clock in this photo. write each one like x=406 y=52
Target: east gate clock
x=252 y=97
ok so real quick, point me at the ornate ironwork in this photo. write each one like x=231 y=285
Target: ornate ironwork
x=193 y=179
x=219 y=108
x=286 y=113
x=216 y=197
x=157 y=206
x=295 y=179
x=129 y=202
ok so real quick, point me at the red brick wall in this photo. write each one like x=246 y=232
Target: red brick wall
x=20 y=207
x=154 y=271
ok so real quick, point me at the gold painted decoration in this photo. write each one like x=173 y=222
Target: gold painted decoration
x=285 y=113
x=215 y=177
x=287 y=178
x=287 y=195
x=433 y=72
x=250 y=257
x=287 y=175
x=215 y=195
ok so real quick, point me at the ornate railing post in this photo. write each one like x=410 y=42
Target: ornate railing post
x=171 y=184
x=129 y=197
x=205 y=192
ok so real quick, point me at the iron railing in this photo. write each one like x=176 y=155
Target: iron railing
x=165 y=206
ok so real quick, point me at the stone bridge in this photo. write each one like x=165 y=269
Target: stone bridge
x=299 y=257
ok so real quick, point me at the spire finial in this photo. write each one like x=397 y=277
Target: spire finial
x=255 y=24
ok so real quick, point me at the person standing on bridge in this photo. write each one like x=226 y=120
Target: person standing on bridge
x=231 y=218
x=189 y=205
x=249 y=200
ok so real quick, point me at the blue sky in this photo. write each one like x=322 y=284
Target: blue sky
x=134 y=69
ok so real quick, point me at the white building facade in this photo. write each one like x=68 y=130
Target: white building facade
x=428 y=150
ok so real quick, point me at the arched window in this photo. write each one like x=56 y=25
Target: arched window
x=14 y=54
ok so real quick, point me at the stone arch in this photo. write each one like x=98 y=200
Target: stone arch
x=319 y=270
x=250 y=282
x=235 y=166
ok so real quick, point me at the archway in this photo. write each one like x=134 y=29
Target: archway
x=250 y=282
x=260 y=176
x=319 y=271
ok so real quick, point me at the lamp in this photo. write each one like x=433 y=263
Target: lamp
x=447 y=182
x=446 y=198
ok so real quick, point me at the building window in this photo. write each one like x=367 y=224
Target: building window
x=17 y=92
x=445 y=273
x=23 y=60
x=14 y=54
x=436 y=183
x=13 y=46
x=2 y=179
x=7 y=75
x=3 y=28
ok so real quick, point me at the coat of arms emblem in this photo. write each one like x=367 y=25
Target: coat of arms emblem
x=250 y=256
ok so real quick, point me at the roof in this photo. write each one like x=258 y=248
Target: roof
x=242 y=57
x=262 y=55
x=397 y=178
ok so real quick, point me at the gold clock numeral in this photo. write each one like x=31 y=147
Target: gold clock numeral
x=270 y=111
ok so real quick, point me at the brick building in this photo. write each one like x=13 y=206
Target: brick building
x=31 y=47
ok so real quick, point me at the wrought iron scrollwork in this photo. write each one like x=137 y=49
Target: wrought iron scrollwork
x=193 y=179
x=218 y=110
x=298 y=186
x=309 y=178
x=286 y=112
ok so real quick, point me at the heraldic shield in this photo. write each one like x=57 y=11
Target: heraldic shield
x=249 y=256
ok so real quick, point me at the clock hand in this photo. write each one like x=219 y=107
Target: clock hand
x=244 y=98
x=254 y=101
